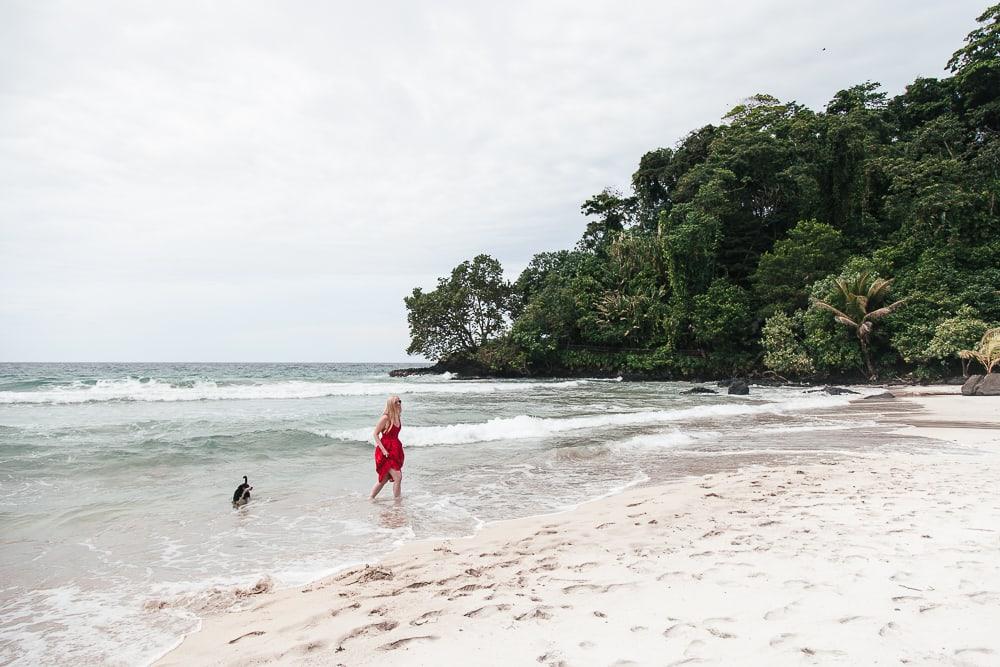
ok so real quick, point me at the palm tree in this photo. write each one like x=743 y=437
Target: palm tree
x=863 y=298
x=987 y=352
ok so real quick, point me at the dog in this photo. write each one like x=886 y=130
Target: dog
x=242 y=494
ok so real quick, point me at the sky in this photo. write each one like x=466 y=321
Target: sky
x=251 y=181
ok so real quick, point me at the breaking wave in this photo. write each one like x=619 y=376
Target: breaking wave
x=526 y=426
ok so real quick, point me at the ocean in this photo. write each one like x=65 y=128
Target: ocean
x=116 y=527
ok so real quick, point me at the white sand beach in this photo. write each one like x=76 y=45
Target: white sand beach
x=860 y=559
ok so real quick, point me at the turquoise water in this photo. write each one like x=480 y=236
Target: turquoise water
x=117 y=531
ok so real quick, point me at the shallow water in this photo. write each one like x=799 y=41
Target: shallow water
x=116 y=528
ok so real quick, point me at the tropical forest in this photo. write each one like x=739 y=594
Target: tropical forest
x=857 y=242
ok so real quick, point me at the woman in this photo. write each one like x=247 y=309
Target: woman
x=388 y=448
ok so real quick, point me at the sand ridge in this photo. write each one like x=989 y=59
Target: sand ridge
x=854 y=559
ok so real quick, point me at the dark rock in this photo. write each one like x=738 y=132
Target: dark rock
x=458 y=364
x=837 y=391
x=739 y=388
x=700 y=390
x=969 y=388
x=421 y=370
x=885 y=395
x=982 y=385
x=990 y=385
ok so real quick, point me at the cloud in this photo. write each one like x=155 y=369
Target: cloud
x=150 y=153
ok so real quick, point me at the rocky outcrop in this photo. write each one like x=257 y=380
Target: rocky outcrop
x=982 y=385
x=461 y=365
x=700 y=390
x=739 y=388
x=420 y=370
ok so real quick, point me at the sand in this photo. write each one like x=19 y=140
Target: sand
x=861 y=559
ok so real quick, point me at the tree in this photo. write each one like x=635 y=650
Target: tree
x=536 y=276
x=783 y=349
x=976 y=67
x=631 y=310
x=611 y=213
x=464 y=312
x=720 y=319
x=811 y=251
x=956 y=334
x=987 y=352
x=690 y=241
x=863 y=298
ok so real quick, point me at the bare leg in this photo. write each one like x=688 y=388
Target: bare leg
x=375 y=489
x=397 y=482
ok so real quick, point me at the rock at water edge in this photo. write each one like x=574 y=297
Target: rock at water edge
x=739 y=388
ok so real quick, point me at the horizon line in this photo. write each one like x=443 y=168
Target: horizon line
x=409 y=361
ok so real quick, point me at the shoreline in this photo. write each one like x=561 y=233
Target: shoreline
x=508 y=587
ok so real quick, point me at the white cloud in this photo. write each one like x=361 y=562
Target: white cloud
x=243 y=165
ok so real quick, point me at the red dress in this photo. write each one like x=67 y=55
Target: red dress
x=383 y=464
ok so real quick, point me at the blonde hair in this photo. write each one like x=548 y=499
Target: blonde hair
x=392 y=410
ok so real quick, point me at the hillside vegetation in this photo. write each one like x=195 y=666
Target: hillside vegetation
x=858 y=241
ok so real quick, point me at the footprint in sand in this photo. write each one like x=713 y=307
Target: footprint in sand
x=548 y=567
x=335 y=612
x=551 y=659
x=429 y=617
x=906 y=598
x=405 y=641
x=684 y=661
x=693 y=646
x=783 y=638
x=781 y=612
x=850 y=619
x=680 y=630
x=984 y=597
x=310 y=647
x=721 y=634
x=540 y=612
x=467 y=589
x=981 y=651
x=888 y=629
x=833 y=653
x=578 y=588
x=488 y=610
x=369 y=629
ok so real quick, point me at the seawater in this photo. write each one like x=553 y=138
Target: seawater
x=116 y=529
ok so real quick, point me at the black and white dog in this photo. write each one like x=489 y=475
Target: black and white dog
x=242 y=495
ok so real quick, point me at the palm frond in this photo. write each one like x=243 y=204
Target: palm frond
x=879 y=288
x=885 y=310
x=838 y=315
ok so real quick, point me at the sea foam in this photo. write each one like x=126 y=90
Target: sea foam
x=133 y=389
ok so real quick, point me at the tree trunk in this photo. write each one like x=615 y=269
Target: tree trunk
x=868 y=360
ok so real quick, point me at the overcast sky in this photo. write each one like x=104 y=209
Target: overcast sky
x=222 y=181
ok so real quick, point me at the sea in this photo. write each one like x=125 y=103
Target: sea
x=117 y=531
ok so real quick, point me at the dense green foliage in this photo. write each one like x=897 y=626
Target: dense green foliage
x=733 y=248
x=464 y=312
